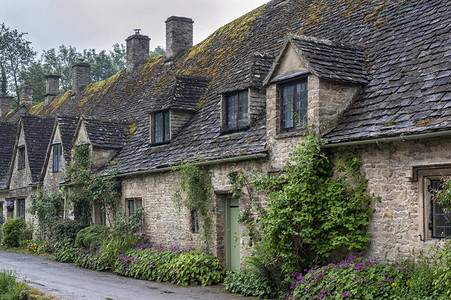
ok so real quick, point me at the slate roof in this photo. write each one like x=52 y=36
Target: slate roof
x=67 y=126
x=407 y=49
x=7 y=137
x=106 y=134
x=37 y=131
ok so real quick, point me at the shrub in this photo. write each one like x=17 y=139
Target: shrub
x=91 y=237
x=65 y=251
x=66 y=229
x=13 y=230
x=195 y=268
x=94 y=260
x=146 y=261
x=10 y=288
x=248 y=283
x=117 y=244
x=442 y=274
x=353 y=277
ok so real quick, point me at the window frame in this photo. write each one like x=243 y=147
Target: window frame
x=58 y=164
x=429 y=215
x=137 y=204
x=296 y=125
x=240 y=112
x=21 y=158
x=165 y=127
x=194 y=217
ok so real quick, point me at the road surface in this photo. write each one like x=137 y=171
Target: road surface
x=66 y=281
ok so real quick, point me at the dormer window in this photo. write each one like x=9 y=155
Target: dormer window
x=236 y=111
x=57 y=157
x=294 y=103
x=21 y=158
x=160 y=126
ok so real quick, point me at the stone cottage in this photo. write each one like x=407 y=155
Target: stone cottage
x=372 y=75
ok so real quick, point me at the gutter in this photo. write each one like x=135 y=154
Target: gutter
x=201 y=163
x=401 y=138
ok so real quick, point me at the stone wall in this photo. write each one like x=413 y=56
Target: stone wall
x=398 y=173
x=178 y=119
x=164 y=224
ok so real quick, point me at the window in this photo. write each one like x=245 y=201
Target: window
x=57 y=157
x=439 y=217
x=194 y=221
x=21 y=158
x=21 y=204
x=294 y=105
x=161 y=127
x=236 y=110
x=132 y=205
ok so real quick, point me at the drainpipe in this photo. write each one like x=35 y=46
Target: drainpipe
x=401 y=138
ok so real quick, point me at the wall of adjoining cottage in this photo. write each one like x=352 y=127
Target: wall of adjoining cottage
x=396 y=172
x=163 y=224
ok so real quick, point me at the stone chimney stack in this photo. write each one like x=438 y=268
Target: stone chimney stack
x=137 y=49
x=80 y=76
x=51 y=87
x=6 y=103
x=179 y=35
x=26 y=95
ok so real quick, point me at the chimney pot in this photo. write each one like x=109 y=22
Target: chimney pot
x=80 y=76
x=179 y=35
x=137 y=49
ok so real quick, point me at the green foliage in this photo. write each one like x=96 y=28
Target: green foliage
x=354 y=277
x=312 y=215
x=195 y=268
x=92 y=237
x=38 y=247
x=195 y=193
x=66 y=229
x=89 y=188
x=10 y=289
x=13 y=230
x=116 y=244
x=65 y=251
x=442 y=273
x=94 y=260
x=248 y=283
x=47 y=208
x=124 y=225
x=146 y=261
x=157 y=52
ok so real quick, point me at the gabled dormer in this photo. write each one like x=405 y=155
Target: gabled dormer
x=311 y=83
x=8 y=134
x=105 y=139
x=176 y=107
x=30 y=150
x=58 y=151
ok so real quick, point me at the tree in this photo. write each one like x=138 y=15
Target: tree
x=157 y=51
x=15 y=55
x=34 y=75
x=60 y=63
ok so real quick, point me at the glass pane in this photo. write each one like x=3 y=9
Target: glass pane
x=301 y=104
x=231 y=110
x=159 y=128
x=131 y=207
x=243 y=109
x=287 y=106
x=167 y=130
x=441 y=216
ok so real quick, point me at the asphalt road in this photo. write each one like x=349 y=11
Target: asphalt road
x=66 y=281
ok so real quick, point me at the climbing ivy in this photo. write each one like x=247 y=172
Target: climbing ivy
x=312 y=214
x=88 y=188
x=194 y=192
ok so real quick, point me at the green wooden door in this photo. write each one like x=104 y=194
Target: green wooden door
x=232 y=235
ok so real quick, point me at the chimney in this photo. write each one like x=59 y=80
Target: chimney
x=137 y=49
x=179 y=35
x=6 y=103
x=26 y=95
x=51 y=87
x=80 y=76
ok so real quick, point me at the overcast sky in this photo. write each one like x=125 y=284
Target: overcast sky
x=87 y=24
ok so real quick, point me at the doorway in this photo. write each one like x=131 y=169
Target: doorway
x=232 y=234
